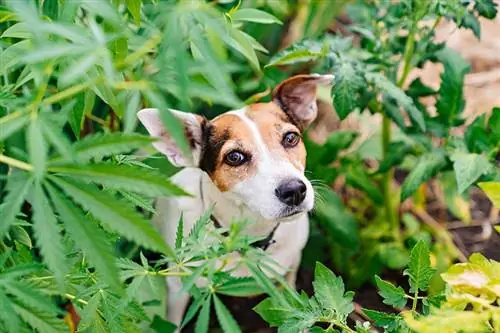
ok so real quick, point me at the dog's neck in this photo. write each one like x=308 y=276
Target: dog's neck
x=228 y=209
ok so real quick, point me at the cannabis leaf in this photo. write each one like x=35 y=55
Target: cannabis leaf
x=469 y=168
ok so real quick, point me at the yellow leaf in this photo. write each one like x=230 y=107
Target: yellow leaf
x=492 y=190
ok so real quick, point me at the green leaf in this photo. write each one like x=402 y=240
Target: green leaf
x=204 y=317
x=240 y=287
x=55 y=135
x=329 y=292
x=331 y=213
x=419 y=270
x=337 y=141
x=347 y=82
x=180 y=232
x=303 y=51
x=48 y=236
x=427 y=167
x=486 y=8
x=358 y=178
x=388 y=321
x=116 y=216
x=243 y=44
x=43 y=322
x=122 y=177
x=273 y=313
x=29 y=296
x=226 y=320
x=7 y=314
x=450 y=103
x=134 y=7
x=160 y=325
x=37 y=148
x=392 y=295
x=172 y=125
x=87 y=236
x=254 y=15
x=469 y=168
x=492 y=190
x=396 y=154
x=264 y=282
x=17 y=188
x=389 y=89
x=469 y=21
x=100 y=145
x=76 y=114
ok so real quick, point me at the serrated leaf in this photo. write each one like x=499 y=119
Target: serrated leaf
x=57 y=138
x=427 y=167
x=204 y=317
x=388 y=88
x=271 y=312
x=492 y=190
x=29 y=296
x=116 y=216
x=303 y=51
x=471 y=22
x=396 y=154
x=122 y=177
x=42 y=321
x=449 y=320
x=226 y=320
x=469 y=168
x=47 y=235
x=101 y=145
x=88 y=237
x=347 y=82
x=179 y=235
x=240 y=287
x=37 y=148
x=419 y=270
x=330 y=293
x=388 y=321
x=241 y=43
x=17 y=188
x=392 y=295
x=486 y=8
x=12 y=123
x=254 y=15
x=7 y=314
x=450 y=103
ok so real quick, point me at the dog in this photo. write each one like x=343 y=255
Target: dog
x=250 y=163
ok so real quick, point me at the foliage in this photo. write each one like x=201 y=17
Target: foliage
x=413 y=140
x=473 y=283
x=77 y=179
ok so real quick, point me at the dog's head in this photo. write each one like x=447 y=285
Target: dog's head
x=255 y=156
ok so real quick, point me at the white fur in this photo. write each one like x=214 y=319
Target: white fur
x=290 y=238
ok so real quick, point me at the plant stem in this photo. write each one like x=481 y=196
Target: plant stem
x=414 y=302
x=15 y=163
x=386 y=139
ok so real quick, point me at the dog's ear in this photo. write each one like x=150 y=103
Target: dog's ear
x=297 y=97
x=150 y=118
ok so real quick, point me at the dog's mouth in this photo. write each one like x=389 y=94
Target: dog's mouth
x=291 y=212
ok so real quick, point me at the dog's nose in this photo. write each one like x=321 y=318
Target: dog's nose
x=292 y=192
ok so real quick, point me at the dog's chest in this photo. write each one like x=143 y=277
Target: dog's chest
x=288 y=240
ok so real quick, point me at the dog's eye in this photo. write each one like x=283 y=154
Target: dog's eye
x=235 y=158
x=290 y=139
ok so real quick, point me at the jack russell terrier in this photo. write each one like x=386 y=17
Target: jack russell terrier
x=251 y=163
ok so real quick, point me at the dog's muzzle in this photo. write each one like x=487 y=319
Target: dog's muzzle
x=291 y=192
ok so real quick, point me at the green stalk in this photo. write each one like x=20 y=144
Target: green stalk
x=386 y=139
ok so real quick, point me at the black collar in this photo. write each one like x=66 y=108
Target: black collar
x=262 y=244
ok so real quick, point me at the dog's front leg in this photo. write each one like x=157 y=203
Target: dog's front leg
x=176 y=301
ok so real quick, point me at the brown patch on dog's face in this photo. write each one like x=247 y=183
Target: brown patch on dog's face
x=221 y=136
x=273 y=124
x=230 y=132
